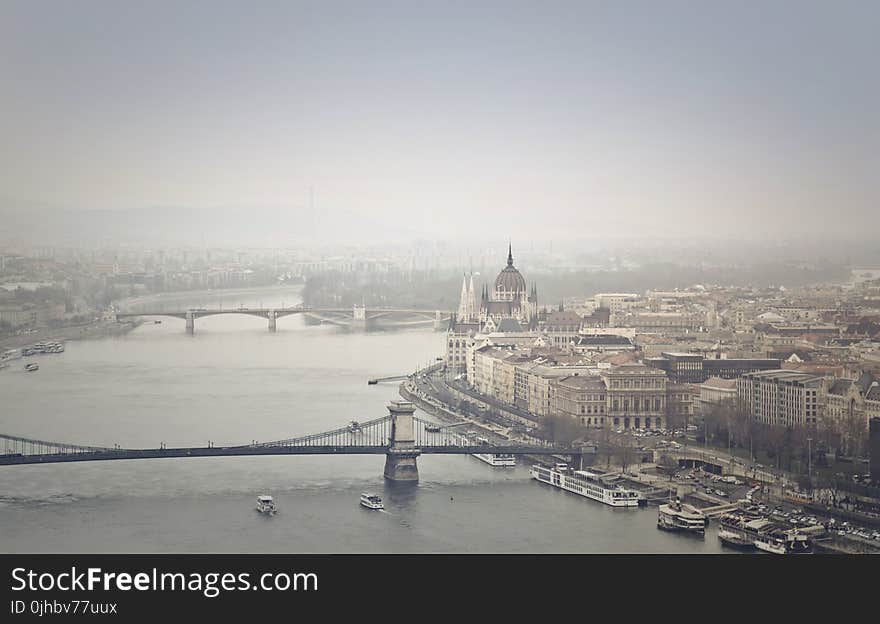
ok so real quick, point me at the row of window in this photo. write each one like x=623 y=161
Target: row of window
x=637 y=383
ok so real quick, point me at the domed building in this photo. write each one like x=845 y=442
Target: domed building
x=509 y=298
x=509 y=308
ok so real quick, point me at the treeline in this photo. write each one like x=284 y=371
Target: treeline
x=788 y=447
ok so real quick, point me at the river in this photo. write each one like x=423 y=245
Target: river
x=233 y=382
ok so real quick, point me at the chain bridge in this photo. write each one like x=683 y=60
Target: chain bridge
x=400 y=436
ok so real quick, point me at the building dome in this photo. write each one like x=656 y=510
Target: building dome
x=510 y=280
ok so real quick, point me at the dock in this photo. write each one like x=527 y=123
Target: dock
x=373 y=382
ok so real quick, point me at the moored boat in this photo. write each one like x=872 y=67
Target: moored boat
x=678 y=516
x=602 y=488
x=746 y=531
x=732 y=539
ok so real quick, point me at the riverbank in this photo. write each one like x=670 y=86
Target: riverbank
x=97 y=329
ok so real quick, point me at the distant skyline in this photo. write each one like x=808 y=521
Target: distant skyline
x=535 y=121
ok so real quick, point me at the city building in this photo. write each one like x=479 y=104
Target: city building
x=850 y=404
x=715 y=391
x=781 y=398
x=695 y=368
x=636 y=397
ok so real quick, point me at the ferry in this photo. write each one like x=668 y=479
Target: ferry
x=598 y=487
x=265 y=505
x=678 y=516
x=372 y=501
x=33 y=366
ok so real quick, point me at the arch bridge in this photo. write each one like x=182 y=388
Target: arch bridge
x=357 y=317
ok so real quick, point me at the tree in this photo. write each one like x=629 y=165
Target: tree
x=668 y=464
x=562 y=429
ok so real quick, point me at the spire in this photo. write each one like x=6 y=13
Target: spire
x=472 y=301
x=463 y=300
x=509 y=254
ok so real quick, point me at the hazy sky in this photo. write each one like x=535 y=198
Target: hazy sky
x=521 y=119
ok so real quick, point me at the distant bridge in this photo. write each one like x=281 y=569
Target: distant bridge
x=400 y=436
x=355 y=317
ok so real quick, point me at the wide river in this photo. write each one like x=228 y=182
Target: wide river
x=234 y=382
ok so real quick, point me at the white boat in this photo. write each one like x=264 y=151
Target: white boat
x=372 y=501
x=745 y=531
x=266 y=505
x=493 y=459
x=10 y=354
x=591 y=485
x=736 y=540
x=771 y=545
x=497 y=459
x=33 y=366
x=678 y=516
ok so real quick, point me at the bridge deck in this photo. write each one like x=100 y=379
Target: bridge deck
x=243 y=451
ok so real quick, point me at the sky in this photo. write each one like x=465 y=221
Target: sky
x=338 y=120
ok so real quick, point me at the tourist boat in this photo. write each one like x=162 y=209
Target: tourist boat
x=601 y=488
x=497 y=459
x=747 y=532
x=784 y=542
x=678 y=516
x=771 y=545
x=265 y=505
x=33 y=366
x=372 y=501
x=735 y=540
x=493 y=459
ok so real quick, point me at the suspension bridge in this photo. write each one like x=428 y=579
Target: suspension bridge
x=400 y=436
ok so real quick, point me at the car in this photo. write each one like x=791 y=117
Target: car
x=721 y=493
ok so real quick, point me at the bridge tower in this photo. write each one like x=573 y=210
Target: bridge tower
x=271 y=320
x=439 y=325
x=400 y=461
x=359 y=317
x=190 y=322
